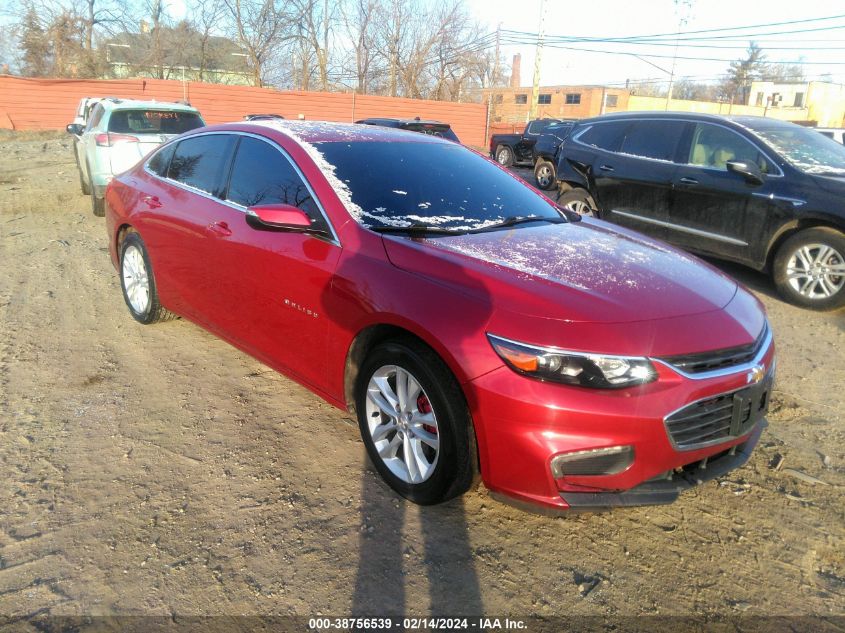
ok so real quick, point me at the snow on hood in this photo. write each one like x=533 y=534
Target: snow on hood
x=615 y=275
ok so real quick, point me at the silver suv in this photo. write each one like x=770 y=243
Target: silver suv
x=119 y=133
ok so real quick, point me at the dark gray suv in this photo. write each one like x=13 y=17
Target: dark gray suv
x=765 y=193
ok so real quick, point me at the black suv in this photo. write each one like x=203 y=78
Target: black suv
x=765 y=193
x=432 y=128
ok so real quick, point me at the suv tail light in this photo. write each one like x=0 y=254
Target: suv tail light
x=110 y=139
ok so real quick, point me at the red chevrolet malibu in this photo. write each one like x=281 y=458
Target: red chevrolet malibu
x=471 y=325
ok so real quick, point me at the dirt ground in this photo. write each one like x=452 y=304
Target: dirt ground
x=159 y=471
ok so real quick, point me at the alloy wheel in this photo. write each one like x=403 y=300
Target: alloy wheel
x=581 y=207
x=816 y=271
x=503 y=156
x=136 y=280
x=544 y=176
x=402 y=424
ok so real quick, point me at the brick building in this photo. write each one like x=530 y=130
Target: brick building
x=513 y=105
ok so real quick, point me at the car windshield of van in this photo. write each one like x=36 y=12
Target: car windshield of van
x=439 y=186
x=153 y=121
x=806 y=149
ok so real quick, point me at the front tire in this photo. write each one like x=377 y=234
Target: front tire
x=138 y=282
x=809 y=269
x=544 y=175
x=504 y=156
x=415 y=423
x=579 y=201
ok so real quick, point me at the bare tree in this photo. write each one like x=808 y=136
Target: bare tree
x=360 y=18
x=261 y=27
x=316 y=18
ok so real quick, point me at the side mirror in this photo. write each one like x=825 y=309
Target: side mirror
x=747 y=170
x=278 y=217
x=75 y=128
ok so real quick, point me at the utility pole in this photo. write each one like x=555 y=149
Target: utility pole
x=681 y=8
x=492 y=86
x=538 y=53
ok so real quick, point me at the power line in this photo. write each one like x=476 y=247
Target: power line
x=731 y=28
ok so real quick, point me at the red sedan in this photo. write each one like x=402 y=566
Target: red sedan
x=471 y=325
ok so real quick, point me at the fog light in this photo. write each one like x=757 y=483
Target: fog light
x=599 y=461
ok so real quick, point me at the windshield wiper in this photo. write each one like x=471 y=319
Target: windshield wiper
x=519 y=219
x=417 y=229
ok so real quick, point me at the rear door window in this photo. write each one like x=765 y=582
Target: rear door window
x=713 y=146
x=153 y=122
x=607 y=136
x=161 y=160
x=262 y=175
x=654 y=139
x=202 y=162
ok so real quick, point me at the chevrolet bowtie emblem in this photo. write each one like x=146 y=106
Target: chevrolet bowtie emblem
x=755 y=375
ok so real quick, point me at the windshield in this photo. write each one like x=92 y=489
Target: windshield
x=431 y=184
x=806 y=149
x=153 y=121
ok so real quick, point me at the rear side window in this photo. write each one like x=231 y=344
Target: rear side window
x=201 y=162
x=262 y=175
x=153 y=122
x=161 y=160
x=713 y=146
x=654 y=139
x=606 y=136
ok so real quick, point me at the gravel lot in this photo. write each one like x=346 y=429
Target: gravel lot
x=157 y=470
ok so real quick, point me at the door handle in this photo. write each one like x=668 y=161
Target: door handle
x=152 y=201
x=221 y=229
x=688 y=181
x=606 y=168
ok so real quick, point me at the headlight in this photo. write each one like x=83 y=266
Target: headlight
x=573 y=368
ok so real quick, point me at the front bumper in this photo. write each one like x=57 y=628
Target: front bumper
x=522 y=424
x=665 y=489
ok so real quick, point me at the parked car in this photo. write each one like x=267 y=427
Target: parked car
x=836 y=133
x=765 y=193
x=431 y=128
x=258 y=117
x=519 y=149
x=118 y=133
x=468 y=322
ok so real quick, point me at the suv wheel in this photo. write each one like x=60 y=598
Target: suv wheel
x=504 y=155
x=98 y=205
x=809 y=269
x=579 y=201
x=83 y=184
x=415 y=423
x=544 y=175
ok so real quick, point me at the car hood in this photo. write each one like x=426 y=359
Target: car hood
x=580 y=271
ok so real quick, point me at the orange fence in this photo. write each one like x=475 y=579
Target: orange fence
x=44 y=104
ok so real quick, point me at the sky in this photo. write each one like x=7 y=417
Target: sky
x=625 y=18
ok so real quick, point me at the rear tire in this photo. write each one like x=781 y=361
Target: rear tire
x=138 y=282
x=579 y=201
x=809 y=269
x=98 y=205
x=434 y=411
x=504 y=156
x=544 y=175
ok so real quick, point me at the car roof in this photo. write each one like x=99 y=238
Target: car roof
x=746 y=121
x=325 y=131
x=113 y=104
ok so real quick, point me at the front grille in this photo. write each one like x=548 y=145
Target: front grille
x=719 y=418
x=718 y=359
